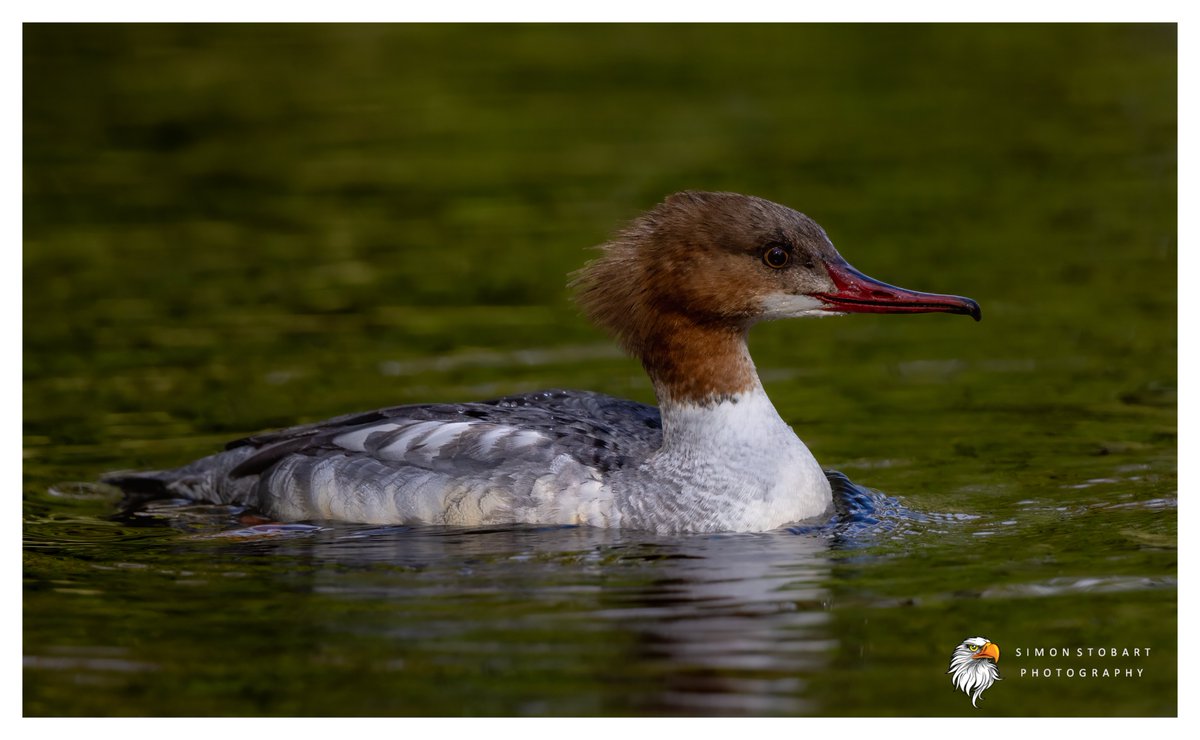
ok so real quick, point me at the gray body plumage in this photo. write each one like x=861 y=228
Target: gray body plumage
x=539 y=457
x=552 y=457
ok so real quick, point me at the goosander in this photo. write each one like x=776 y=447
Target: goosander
x=679 y=288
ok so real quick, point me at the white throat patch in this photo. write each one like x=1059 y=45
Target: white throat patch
x=789 y=306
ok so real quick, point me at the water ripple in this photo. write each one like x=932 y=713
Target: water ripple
x=862 y=514
x=1093 y=585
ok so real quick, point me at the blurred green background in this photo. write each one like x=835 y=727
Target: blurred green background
x=234 y=227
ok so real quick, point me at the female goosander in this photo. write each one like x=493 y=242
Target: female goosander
x=679 y=288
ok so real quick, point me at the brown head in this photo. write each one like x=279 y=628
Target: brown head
x=681 y=285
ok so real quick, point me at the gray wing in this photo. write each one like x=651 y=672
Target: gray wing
x=602 y=431
x=419 y=452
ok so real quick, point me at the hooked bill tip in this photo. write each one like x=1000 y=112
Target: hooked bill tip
x=858 y=293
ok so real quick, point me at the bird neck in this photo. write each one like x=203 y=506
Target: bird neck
x=696 y=364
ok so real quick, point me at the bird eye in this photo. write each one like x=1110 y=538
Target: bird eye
x=973 y=648
x=776 y=258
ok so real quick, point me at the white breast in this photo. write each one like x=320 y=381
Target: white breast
x=736 y=465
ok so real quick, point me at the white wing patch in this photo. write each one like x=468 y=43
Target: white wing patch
x=356 y=441
x=526 y=438
x=429 y=438
x=446 y=433
x=402 y=444
x=489 y=439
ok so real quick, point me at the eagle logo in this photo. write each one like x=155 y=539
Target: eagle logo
x=973 y=666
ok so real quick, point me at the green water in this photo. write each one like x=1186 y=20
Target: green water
x=232 y=228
